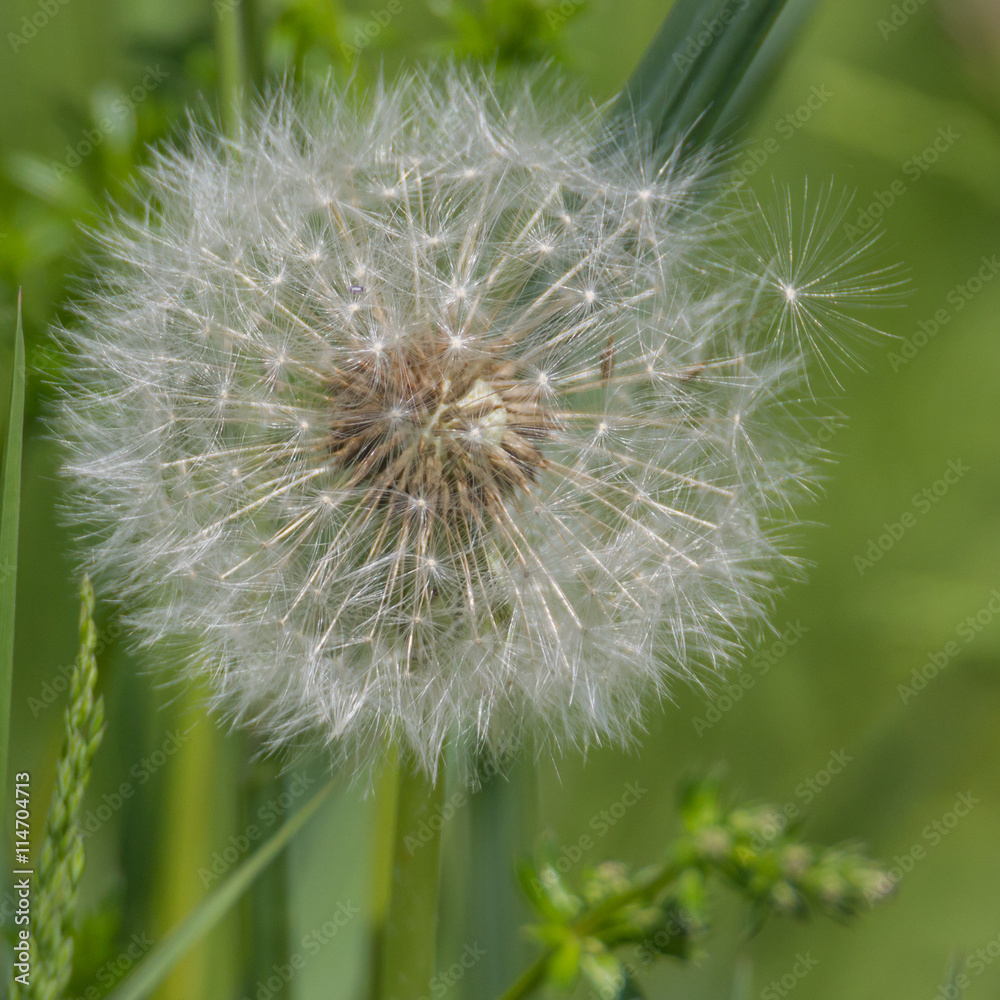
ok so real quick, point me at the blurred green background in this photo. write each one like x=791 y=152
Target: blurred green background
x=897 y=102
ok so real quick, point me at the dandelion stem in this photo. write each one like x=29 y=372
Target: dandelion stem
x=406 y=941
x=231 y=63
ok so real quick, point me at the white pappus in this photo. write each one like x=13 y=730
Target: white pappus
x=443 y=411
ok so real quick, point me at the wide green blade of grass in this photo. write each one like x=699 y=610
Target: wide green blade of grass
x=10 y=504
x=705 y=63
x=152 y=970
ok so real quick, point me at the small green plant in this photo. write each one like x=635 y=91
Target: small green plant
x=616 y=921
x=61 y=858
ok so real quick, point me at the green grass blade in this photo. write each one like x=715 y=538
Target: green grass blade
x=157 y=965
x=9 y=514
x=705 y=63
x=770 y=55
x=727 y=64
x=661 y=74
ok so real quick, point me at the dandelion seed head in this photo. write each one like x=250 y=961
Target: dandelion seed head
x=438 y=414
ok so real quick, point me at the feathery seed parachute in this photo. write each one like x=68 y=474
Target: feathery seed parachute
x=444 y=412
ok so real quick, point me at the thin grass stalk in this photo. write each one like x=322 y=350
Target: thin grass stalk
x=10 y=506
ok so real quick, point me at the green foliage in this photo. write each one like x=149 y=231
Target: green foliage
x=60 y=862
x=865 y=636
x=663 y=910
x=162 y=959
x=310 y=36
x=506 y=31
x=707 y=56
x=46 y=197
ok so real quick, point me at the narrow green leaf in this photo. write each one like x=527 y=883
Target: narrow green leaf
x=158 y=963
x=661 y=74
x=706 y=62
x=770 y=55
x=9 y=514
x=723 y=66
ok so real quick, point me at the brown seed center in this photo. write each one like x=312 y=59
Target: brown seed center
x=436 y=436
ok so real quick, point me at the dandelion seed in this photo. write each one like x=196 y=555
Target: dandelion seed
x=523 y=489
